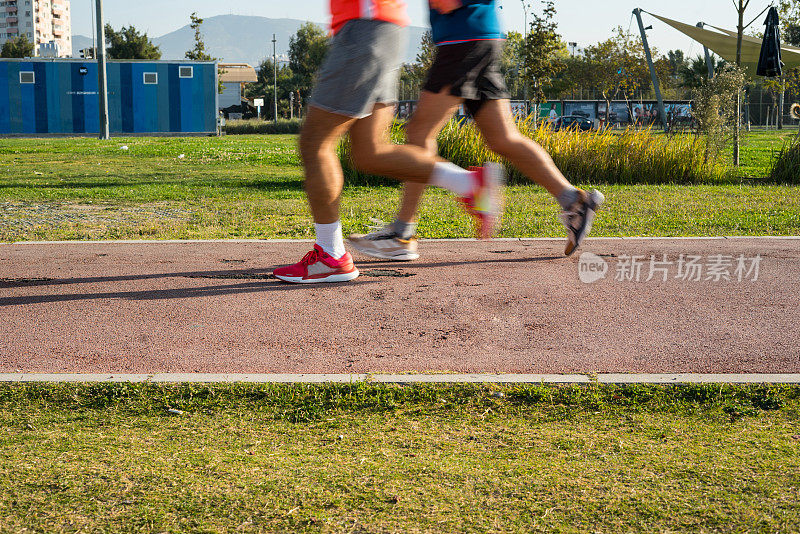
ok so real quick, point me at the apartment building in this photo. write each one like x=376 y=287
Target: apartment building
x=41 y=21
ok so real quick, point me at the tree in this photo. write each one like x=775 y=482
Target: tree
x=427 y=52
x=307 y=49
x=695 y=72
x=17 y=48
x=128 y=43
x=265 y=87
x=575 y=76
x=790 y=19
x=198 y=53
x=412 y=75
x=634 y=77
x=602 y=67
x=677 y=61
x=541 y=59
x=511 y=63
x=789 y=11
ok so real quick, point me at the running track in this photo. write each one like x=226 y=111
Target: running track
x=467 y=307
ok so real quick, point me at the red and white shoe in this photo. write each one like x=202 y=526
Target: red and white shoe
x=318 y=266
x=485 y=202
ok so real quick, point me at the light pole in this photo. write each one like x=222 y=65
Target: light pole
x=525 y=8
x=102 y=85
x=275 y=76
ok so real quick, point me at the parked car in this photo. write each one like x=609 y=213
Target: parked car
x=574 y=122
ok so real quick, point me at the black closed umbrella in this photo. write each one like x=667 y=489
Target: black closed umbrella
x=769 y=63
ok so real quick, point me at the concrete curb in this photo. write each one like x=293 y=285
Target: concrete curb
x=466 y=240
x=210 y=378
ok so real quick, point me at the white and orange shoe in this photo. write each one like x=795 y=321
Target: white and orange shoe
x=317 y=267
x=384 y=244
x=485 y=202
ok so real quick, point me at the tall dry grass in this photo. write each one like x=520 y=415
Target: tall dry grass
x=786 y=169
x=610 y=157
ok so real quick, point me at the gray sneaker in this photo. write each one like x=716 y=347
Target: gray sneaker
x=385 y=244
x=578 y=218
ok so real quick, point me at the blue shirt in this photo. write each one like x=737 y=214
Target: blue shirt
x=474 y=21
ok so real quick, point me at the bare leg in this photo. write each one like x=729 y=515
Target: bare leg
x=374 y=153
x=433 y=112
x=502 y=136
x=323 y=172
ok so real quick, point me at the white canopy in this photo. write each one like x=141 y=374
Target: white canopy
x=723 y=43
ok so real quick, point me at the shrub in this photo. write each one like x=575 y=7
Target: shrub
x=787 y=165
x=714 y=108
x=612 y=157
x=257 y=126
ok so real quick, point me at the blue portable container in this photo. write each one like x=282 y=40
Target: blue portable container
x=59 y=97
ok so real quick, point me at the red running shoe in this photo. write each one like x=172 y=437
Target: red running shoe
x=485 y=202
x=318 y=266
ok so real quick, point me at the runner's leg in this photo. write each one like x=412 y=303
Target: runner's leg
x=434 y=110
x=373 y=152
x=502 y=137
x=324 y=178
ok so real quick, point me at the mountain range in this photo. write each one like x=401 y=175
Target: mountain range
x=238 y=39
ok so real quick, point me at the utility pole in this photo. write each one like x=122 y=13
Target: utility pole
x=525 y=8
x=275 y=77
x=102 y=85
x=94 y=31
x=656 y=87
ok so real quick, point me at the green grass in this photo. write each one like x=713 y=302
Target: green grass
x=759 y=151
x=366 y=458
x=251 y=187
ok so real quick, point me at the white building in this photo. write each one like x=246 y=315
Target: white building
x=234 y=76
x=41 y=21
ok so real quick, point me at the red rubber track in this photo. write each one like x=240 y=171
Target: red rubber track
x=502 y=306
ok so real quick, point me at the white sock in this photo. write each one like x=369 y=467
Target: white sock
x=452 y=177
x=329 y=238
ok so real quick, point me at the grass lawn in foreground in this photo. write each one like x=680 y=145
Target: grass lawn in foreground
x=251 y=187
x=363 y=458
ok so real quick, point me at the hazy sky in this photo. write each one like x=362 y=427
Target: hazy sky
x=582 y=21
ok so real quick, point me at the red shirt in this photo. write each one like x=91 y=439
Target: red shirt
x=387 y=10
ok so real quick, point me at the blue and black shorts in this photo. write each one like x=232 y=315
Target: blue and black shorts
x=469 y=70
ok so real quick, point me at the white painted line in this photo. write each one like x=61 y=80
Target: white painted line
x=460 y=240
x=229 y=378
x=476 y=378
x=481 y=379
x=688 y=378
x=73 y=377
x=161 y=242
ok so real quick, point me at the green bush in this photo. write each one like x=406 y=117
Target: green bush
x=257 y=126
x=787 y=165
x=611 y=157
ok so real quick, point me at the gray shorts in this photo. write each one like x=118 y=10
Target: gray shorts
x=361 y=69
